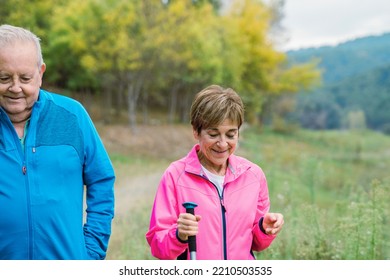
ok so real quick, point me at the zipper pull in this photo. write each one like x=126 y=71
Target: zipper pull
x=223 y=206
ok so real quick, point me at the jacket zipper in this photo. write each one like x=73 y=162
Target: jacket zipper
x=223 y=210
x=24 y=171
x=223 y=217
x=30 y=227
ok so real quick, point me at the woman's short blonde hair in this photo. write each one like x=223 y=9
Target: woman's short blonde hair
x=215 y=104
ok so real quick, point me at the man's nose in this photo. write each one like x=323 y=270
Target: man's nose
x=15 y=86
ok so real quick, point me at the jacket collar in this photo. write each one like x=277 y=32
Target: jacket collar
x=236 y=165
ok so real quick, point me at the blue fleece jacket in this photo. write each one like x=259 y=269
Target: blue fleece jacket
x=43 y=212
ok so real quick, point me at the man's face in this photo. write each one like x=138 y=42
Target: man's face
x=20 y=79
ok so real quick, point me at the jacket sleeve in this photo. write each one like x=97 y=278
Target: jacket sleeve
x=161 y=235
x=261 y=240
x=99 y=180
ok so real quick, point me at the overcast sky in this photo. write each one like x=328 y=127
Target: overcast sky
x=312 y=23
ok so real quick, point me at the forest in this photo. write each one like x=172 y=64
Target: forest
x=355 y=92
x=141 y=62
x=135 y=58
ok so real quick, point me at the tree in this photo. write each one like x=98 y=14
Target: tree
x=188 y=51
x=108 y=38
x=163 y=52
x=266 y=72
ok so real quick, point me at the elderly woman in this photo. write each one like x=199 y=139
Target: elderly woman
x=231 y=193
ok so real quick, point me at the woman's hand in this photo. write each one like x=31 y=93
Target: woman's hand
x=187 y=225
x=273 y=223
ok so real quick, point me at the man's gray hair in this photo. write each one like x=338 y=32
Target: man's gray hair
x=10 y=34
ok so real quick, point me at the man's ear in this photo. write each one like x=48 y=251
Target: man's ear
x=41 y=71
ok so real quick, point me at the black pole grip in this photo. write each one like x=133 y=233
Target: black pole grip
x=190 y=208
x=191 y=239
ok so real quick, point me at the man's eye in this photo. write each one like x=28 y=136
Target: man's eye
x=4 y=79
x=213 y=135
x=25 y=79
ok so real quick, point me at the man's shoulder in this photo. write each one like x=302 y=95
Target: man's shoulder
x=66 y=102
x=58 y=98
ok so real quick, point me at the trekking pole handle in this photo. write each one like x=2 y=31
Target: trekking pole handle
x=190 y=208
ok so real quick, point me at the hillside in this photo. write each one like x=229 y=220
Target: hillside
x=348 y=59
x=151 y=141
x=355 y=85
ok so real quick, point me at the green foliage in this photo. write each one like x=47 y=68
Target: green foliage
x=355 y=79
x=356 y=120
x=191 y=57
x=30 y=14
x=160 y=52
x=369 y=93
x=332 y=188
x=318 y=110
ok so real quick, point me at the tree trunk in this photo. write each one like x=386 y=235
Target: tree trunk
x=132 y=104
x=173 y=103
x=145 y=114
x=134 y=87
x=185 y=107
x=107 y=104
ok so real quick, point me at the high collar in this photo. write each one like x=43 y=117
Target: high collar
x=236 y=165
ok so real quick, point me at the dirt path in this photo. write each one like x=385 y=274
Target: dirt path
x=135 y=190
x=159 y=142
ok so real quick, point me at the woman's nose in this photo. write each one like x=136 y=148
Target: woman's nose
x=222 y=142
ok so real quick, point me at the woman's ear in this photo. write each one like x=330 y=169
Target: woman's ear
x=195 y=133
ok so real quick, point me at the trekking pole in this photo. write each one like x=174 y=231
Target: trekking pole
x=190 y=208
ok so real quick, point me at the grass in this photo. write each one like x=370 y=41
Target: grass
x=129 y=228
x=128 y=240
x=332 y=187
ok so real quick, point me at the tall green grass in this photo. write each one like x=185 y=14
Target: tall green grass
x=332 y=187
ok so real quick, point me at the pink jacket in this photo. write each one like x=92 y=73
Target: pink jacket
x=229 y=228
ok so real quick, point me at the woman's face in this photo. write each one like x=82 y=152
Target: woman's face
x=217 y=144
